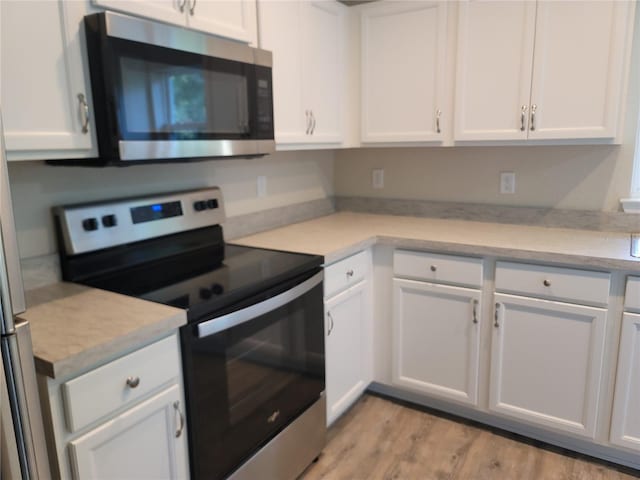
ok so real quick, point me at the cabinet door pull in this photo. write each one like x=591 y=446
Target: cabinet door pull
x=438 y=114
x=192 y=8
x=523 y=118
x=546 y=283
x=306 y=112
x=176 y=406
x=534 y=107
x=313 y=122
x=133 y=382
x=475 y=310
x=433 y=268
x=496 y=316
x=330 y=323
x=183 y=3
x=84 y=109
x=349 y=273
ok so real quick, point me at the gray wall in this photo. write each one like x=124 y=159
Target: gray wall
x=292 y=177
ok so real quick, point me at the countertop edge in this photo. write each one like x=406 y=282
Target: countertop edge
x=109 y=350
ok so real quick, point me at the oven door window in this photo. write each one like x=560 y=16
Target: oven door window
x=163 y=94
x=246 y=383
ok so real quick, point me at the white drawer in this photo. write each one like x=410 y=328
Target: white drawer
x=632 y=296
x=345 y=273
x=580 y=286
x=95 y=394
x=438 y=268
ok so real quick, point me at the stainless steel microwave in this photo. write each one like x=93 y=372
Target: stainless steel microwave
x=164 y=93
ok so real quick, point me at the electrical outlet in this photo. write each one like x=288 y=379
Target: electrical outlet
x=377 y=178
x=261 y=186
x=507 y=182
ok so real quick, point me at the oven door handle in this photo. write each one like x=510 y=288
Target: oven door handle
x=218 y=324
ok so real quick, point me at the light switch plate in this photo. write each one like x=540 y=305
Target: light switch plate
x=261 y=186
x=507 y=182
x=377 y=178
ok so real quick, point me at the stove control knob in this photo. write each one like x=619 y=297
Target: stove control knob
x=217 y=289
x=205 y=293
x=212 y=203
x=199 y=205
x=90 y=224
x=109 y=221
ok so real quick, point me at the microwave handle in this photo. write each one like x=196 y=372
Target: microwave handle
x=218 y=324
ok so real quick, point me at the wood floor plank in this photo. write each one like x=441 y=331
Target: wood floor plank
x=379 y=439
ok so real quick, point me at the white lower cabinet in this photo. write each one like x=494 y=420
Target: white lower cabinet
x=143 y=442
x=546 y=362
x=625 y=422
x=436 y=338
x=348 y=336
x=123 y=419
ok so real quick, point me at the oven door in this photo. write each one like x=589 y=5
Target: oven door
x=250 y=372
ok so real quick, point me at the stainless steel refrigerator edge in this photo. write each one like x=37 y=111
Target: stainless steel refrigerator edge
x=23 y=445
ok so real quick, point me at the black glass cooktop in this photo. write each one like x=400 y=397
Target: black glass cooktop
x=205 y=282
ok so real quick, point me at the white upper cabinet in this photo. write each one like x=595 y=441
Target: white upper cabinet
x=44 y=87
x=308 y=43
x=324 y=69
x=494 y=65
x=578 y=69
x=234 y=19
x=540 y=70
x=403 y=53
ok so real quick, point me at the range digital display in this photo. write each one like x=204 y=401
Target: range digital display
x=156 y=211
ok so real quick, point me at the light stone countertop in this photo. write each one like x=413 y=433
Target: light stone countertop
x=74 y=327
x=341 y=234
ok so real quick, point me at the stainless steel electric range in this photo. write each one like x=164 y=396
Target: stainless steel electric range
x=253 y=348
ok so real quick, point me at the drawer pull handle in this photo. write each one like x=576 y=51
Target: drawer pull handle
x=133 y=382
x=475 y=311
x=349 y=273
x=433 y=268
x=176 y=406
x=330 y=323
x=84 y=109
x=546 y=283
x=497 y=316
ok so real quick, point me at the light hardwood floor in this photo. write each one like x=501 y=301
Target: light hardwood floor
x=381 y=439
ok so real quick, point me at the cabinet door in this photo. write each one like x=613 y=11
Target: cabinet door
x=346 y=349
x=280 y=32
x=43 y=81
x=578 y=68
x=436 y=334
x=228 y=18
x=324 y=32
x=546 y=362
x=403 y=63
x=493 y=72
x=169 y=11
x=625 y=422
x=139 y=443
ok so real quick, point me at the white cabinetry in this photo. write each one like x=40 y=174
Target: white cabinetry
x=436 y=328
x=570 y=88
x=546 y=356
x=44 y=87
x=625 y=421
x=348 y=333
x=403 y=71
x=124 y=419
x=139 y=443
x=234 y=19
x=307 y=39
